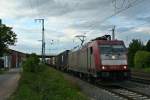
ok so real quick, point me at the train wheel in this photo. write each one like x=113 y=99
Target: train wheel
x=89 y=78
x=93 y=80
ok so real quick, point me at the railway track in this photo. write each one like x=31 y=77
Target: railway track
x=128 y=94
x=124 y=93
x=121 y=92
x=140 y=76
x=140 y=80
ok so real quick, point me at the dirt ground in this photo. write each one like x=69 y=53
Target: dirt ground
x=8 y=83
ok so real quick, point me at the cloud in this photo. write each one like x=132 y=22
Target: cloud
x=66 y=18
x=145 y=30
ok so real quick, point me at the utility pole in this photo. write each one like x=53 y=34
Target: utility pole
x=43 y=39
x=81 y=38
x=113 y=33
x=0 y=21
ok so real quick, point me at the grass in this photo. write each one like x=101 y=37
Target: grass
x=147 y=69
x=48 y=84
x=2 y=70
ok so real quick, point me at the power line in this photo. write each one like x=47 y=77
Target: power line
x=38 y=4
x=129 y=5
x=31 y=6
x=118 y=12
x=123 y=3
x=30 y=3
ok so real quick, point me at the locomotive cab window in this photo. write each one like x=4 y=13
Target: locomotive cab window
x=105 y=49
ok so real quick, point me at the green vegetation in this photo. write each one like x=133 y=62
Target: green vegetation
x=39 y=82
x=3 y=70
x=134 y=46
x=142 y=59
x=147 y=69
x=7 y=37
x=139 y=55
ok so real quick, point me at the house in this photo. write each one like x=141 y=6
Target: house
x=12 y=59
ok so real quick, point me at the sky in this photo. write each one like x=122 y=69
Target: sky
x=64 y=19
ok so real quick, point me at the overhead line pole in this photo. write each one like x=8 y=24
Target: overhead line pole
x=113 y=33
x=43 y=39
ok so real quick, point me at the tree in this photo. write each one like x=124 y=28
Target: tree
x=7 y=38
x=134 y=46
x=148 y=46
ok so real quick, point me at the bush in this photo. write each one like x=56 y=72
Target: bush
x=48 y=84
x=134 y=46
x=142 y=59
x=32 y=64
x=39 y=82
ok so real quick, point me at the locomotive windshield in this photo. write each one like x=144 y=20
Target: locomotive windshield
x=106 y=49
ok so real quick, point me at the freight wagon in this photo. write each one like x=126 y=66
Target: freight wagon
x=62 y=60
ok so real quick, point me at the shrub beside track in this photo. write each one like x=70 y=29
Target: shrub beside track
x=39 y=82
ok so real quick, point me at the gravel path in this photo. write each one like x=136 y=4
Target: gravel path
x=8 y=83
x=93 y=92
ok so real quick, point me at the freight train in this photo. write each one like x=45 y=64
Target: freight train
x=99 y=59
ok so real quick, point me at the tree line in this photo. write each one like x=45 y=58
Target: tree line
x=139 y=54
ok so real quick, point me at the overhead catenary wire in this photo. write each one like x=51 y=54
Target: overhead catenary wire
x=31 y=6
x=34 y=7
x=118 y=7
x=38 y=5
x=134 y=3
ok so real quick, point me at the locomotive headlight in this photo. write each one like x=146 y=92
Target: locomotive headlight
x=125 y=67
x=113 y=57
x=103 y=67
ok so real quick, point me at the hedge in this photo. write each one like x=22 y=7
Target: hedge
x=142 y=59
